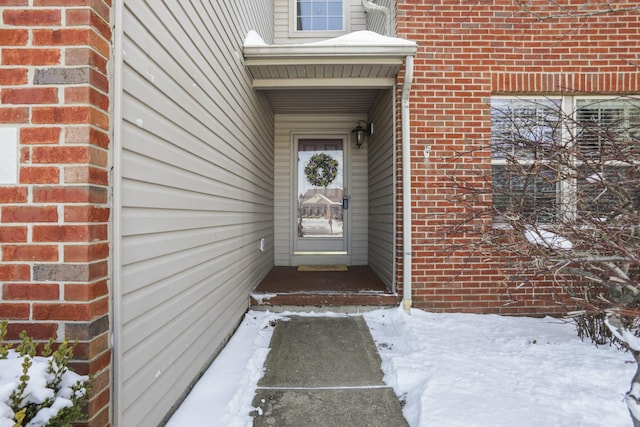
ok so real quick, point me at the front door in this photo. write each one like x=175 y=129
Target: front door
x=321 y=224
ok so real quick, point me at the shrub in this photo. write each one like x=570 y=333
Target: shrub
x=39 y=390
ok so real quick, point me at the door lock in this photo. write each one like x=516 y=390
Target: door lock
x=345 y=202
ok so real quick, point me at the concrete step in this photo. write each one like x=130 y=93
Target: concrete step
x=343 y=302
x=355 y=290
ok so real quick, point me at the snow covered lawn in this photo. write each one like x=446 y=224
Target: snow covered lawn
x=488 y=370
x=449 y=370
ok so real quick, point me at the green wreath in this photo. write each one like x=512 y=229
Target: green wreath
x=321 y=170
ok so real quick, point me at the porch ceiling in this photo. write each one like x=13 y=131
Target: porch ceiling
x=308 y=101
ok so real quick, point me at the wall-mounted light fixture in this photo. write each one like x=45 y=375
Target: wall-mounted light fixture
x=362 y=132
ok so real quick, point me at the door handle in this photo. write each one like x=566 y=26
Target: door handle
x=345 y=202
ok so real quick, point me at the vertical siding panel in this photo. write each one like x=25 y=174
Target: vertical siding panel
x=286 y=125
x=196 y=192
x=381 y=189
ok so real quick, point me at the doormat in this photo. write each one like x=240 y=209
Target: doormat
x=331 y=267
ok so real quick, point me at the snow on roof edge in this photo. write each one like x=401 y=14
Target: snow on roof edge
x=357 y=38
x=254 y=39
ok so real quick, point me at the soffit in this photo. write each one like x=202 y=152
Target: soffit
x=318 y=101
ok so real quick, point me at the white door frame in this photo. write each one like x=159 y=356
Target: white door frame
x=303 y=255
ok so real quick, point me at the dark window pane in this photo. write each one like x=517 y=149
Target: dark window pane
x=608 y=181
x=525 y=129
x=608 y=130
x=524 y=193
x=525 y=133
x=608 y=192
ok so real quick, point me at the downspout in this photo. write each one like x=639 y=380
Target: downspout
x=406 y=185
x=372 y=7
x=117 y=93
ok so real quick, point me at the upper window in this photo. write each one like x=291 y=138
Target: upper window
x=319 y=15
x=570 y=156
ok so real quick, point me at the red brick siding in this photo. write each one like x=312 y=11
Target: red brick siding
x=467 y=53
x=54 y=247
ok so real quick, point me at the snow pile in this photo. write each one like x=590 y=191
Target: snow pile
x=364 y=38
x=40 y=388
x=222 y=397
x=548 y=239
x=448 y=369
x=321 y=227
x=254 y=39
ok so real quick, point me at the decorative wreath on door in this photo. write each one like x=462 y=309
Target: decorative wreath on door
x=321 y=170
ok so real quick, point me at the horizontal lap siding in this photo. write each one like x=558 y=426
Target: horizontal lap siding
x=358 y=203
x=381 y=189
x=283 y=189
x=196 y=194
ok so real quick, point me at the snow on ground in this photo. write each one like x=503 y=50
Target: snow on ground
x=222 y=397
x=488 y=370
x=449 y=369
x=314 y=227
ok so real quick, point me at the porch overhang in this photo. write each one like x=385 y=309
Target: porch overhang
x=360 y=60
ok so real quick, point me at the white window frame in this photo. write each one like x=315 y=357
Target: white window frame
x=567 y=189
x=293 y=27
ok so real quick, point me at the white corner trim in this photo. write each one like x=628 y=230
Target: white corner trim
x=9 y=155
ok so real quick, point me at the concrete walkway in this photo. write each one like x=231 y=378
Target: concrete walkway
x=324 y=371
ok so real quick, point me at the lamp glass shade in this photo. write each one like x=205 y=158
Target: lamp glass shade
x=359 y=136
x=359 y=131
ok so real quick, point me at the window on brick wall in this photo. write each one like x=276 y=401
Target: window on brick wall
x=608 y=139
x=567 y=156
x=319 y=15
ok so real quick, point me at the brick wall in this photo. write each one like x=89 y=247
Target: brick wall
x=469 y=51
x=54 y=232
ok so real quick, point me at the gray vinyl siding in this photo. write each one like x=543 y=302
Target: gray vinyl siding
x=377 y=21
x=196 y=195
x=381 y=189
x=283 y=22
x=288 y=125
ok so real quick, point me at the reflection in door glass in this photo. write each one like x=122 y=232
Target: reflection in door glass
x=320 y=188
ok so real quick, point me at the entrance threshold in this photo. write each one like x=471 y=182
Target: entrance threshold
x=356 y=290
